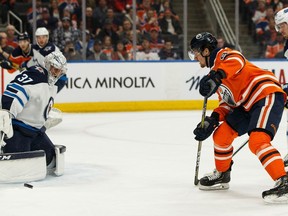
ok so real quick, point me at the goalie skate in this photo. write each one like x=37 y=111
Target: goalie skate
x=215 y=181
x=278 y=194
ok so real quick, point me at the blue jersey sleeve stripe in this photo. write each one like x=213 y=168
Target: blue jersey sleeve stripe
x=20 y=88
x=9 y=94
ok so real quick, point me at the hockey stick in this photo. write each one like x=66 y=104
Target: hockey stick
x=196 y=180
x=240 y=147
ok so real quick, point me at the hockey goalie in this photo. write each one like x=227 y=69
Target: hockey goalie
x=27 y=153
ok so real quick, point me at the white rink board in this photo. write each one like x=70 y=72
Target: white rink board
x=139 y=81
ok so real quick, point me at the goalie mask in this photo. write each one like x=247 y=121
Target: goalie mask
x=281 y=17
x=200 y=42
x=56 y=65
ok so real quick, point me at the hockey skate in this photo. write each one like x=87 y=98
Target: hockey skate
x=285 y=159
x=278 y=194
x=215 y=181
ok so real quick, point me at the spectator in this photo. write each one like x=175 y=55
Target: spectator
x=72 y=6
x=166 y=4
x=167 y=52
x=6 y=5
x=91 y=23
x=143 y=9
x=99 y=14
x=70 y=52
x=170 y=25
x=116 y=20
x=65 y=33
x=107 y=46
x=66 y=13
x=39 y=9
x=88 y=45
x=124 y=29
x=5 y=50
x=277 y=5
x=54 y=10
x=128 y=43
x=259 y=19
x=150 y=20
x=156 y=42
x=275 y=46
x=108 y=30
x=120 y=53
x=96 y=52
x=119 y=6
x=129 y=16
x=222 y=43
x=50 y=23
x=11 y=37
x=145 y=53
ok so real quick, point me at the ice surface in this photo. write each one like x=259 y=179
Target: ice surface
x=141 y=164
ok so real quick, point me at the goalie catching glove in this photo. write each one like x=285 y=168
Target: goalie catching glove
x=210 y=83
x=210 y=123
x=6 y=123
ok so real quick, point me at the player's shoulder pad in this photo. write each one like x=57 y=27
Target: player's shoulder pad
x=32 y=75
x=35 y=47
x=49 y=48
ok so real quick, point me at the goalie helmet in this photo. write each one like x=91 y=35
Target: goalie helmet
x=203 y=40
x=281 y=17
x=56 y=65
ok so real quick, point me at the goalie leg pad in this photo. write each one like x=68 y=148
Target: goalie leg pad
x=22 y=166
x=60 y=159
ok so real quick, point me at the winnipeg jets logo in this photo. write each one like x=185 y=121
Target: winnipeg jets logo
x=48 y=48
x=227 y=95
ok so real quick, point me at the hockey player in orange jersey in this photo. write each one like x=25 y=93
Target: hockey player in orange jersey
x=251 y=101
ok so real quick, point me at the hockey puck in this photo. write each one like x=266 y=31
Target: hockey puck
x=28 y=185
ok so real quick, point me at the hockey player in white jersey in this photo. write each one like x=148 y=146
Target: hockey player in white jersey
x=281 y=26
x=42 y=48
x=25 y=107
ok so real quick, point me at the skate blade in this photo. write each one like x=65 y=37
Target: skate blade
x=222 y=186
x=274 y=199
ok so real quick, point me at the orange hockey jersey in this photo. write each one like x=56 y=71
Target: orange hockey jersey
x=245 y=83
x=17 y=58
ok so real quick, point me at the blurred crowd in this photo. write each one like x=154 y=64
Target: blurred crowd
x=259 y=14
x=108 y=30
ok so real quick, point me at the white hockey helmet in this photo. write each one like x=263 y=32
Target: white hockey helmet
x=281 y=17
x=41 y=31
x=57 y=60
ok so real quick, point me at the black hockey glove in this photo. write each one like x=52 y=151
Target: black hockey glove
x=210 y=83
x=285 y=89
x=6 y=65
x=210 y=123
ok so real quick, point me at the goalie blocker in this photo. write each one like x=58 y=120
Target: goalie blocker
x=29 y=166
